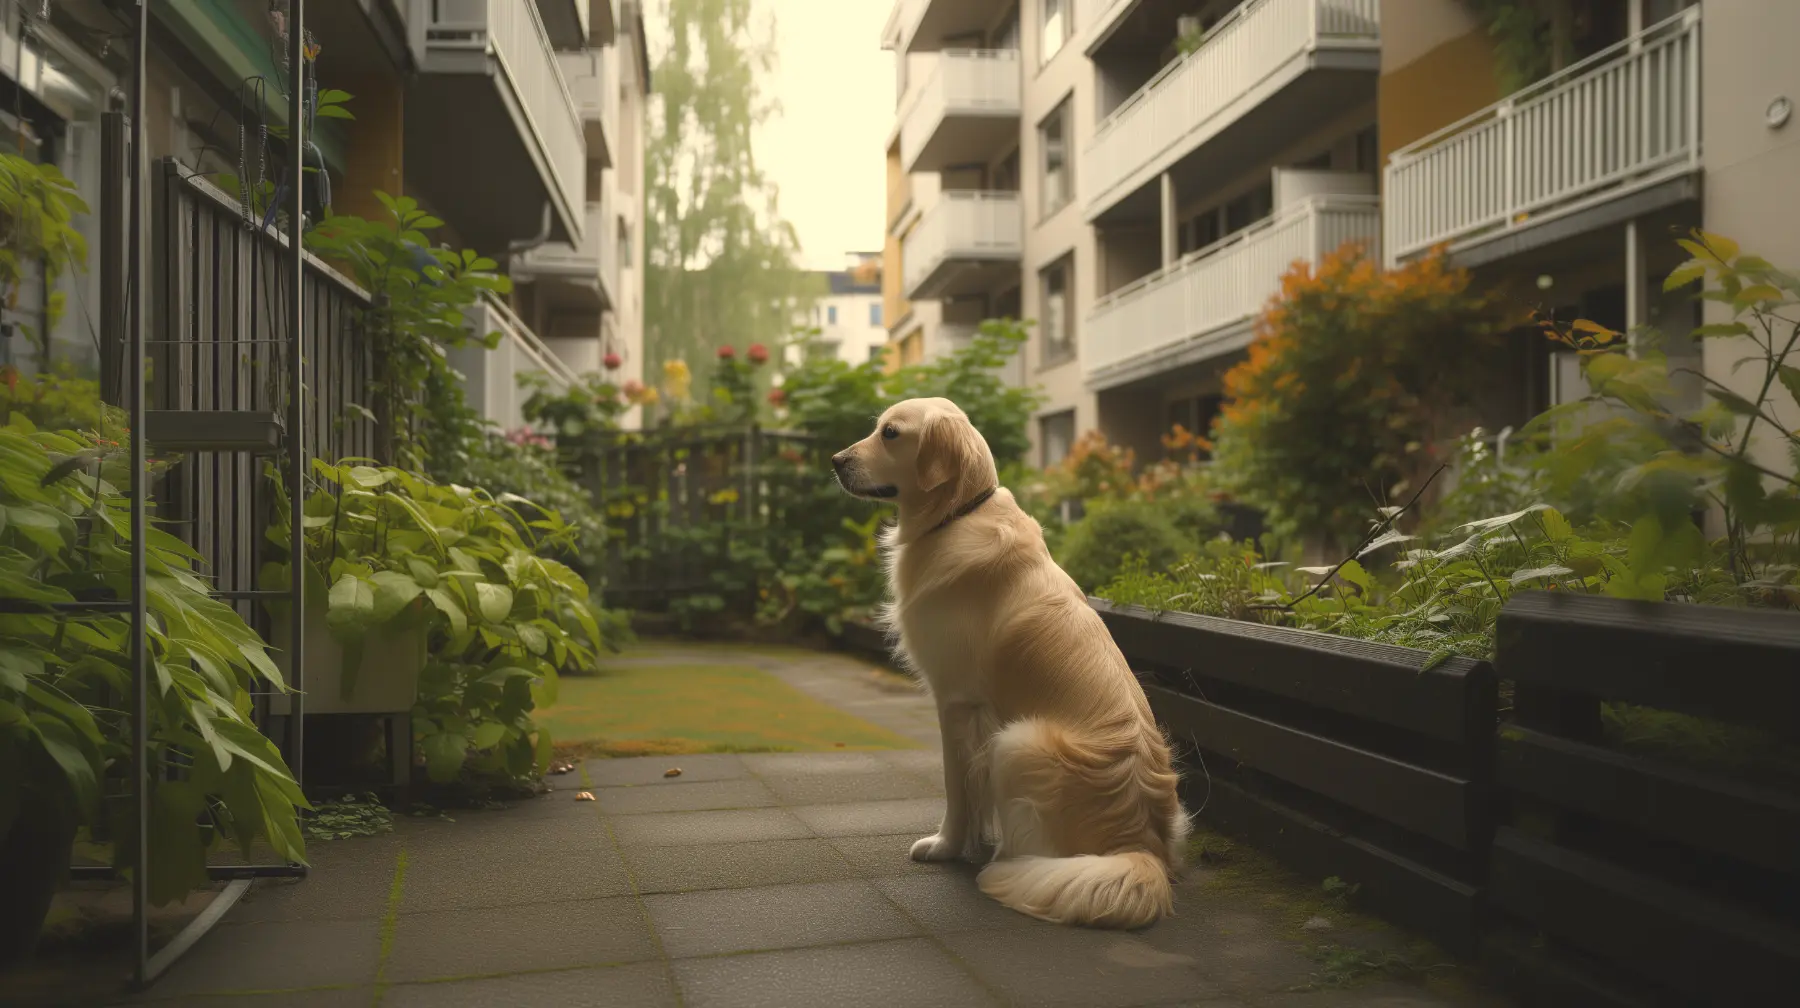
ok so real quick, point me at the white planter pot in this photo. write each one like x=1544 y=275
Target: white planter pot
x=387 y=681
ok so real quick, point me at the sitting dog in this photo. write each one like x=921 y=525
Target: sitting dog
x=1050 y=748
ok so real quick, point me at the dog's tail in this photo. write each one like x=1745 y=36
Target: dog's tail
x=1128 y=890
x=1111 y=791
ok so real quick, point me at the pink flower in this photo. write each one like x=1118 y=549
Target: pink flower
x=612 y=361
x=777 y=397
x=758 y=353
x=726 y=353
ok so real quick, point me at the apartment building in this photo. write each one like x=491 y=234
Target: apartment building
x=1136 y=175
x=524 y=128
x=519 y=122
x=849 y=315
x=1668 y=114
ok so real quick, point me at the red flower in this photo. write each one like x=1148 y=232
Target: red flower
x=758 y=353
x=612 y=361
x=726 y=353
x=777 y=397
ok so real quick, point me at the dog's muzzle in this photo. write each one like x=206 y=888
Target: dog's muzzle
x=850 y=479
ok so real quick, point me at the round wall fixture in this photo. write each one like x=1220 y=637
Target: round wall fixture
x=1545 y=281
x=1776 y=115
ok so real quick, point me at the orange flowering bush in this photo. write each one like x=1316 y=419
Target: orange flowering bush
x=1355 y=382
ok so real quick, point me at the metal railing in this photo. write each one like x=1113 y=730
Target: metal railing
x=1200 y=93
x=963 y=225
x=1622 y=119
x=513 y=33
x=1221 y=286
x=974 y=82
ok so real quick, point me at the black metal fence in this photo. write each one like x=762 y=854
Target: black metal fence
x=674 y=497
x=219 y=353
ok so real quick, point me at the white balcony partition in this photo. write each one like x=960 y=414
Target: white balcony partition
x=1619 y=121
x=961 y=83
x=593 y=81
x=512 y=33
x=491 y=377
x=592 y=263
x=1231 y=72
x=963 y=225
x=1207 y=299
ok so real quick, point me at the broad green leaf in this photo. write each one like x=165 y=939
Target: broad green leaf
x=1552 y=572
x=444 y=753
x=459 y=621
x=488 y=735
x=352 y=605
x=394 y=591
x=493 y=601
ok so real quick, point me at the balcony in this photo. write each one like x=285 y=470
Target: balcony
x=580 y=277
x=1620 y=129
x=593 y=79
x=925 y=25
x=491 y=377
x=968 y=243
x=487 y=70
x=1206 y=304
x=1270 y=72
x=966 y=111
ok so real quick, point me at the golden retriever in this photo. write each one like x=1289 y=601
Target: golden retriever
x=1050 y=750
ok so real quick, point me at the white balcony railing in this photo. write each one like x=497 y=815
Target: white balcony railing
x=963 y=225
x=512 y=33
x=1195 y=97
x=491 y=377
x=962 y=82
x=1217 y=290
x=592 y=77
x=1623 y=119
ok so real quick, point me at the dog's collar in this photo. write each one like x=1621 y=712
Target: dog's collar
x=974 y=502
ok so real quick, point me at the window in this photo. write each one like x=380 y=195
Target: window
x=1249 y=208
x=624 y=244
x=831 y=314
x=1053 y=315
x=1056 y=435
x=1195 y=414
x=1055 y=29
x=875 y=314
x=1058 y=161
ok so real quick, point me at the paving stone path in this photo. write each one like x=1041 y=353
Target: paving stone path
x=777 y=880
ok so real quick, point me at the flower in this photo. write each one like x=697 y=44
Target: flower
x=777 y=397
x=757 y=353
x=634 y=390
x=612 y=361
x=726 y=353
x=675 y=370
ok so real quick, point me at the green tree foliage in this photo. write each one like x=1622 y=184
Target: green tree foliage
x=720 y=262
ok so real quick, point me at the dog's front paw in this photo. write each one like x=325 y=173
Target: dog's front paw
x=937 y=847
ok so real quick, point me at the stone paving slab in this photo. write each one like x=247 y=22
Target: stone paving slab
x=776 y=880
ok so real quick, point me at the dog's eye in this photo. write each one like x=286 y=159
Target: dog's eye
x=889 y=432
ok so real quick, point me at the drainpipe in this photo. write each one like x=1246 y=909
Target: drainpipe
x=514 y=248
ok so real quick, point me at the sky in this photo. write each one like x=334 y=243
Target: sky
x=827 y=149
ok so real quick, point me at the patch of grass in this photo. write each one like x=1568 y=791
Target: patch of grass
x=672 y=709
x=1701 y=742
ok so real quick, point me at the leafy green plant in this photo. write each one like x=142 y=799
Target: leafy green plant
x=38 y=238
x=63 y=732
x=593 y=405
x=422 y=293
x=1094 y=548
x=528 y=467
x=384 y=546
x=59 y=399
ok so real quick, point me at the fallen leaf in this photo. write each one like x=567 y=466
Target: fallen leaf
x=584 y=796
x=1317 y=923
x=840 y=745
x=672 y=772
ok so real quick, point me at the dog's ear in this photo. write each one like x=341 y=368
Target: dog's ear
x=943 y=452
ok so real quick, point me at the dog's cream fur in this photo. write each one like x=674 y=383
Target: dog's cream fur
x=1050 y=750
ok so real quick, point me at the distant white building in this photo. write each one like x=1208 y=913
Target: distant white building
x=848 y=317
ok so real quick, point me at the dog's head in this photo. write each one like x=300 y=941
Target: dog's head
x=925 y=456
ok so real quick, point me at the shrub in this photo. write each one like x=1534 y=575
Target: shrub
x=1094 y=549
x=1354 y=379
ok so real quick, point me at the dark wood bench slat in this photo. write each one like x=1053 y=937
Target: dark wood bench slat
x=1452 y=701
x=1414 y=798
x=1690 y=942
x=1756 y=824
x=1740 y=665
